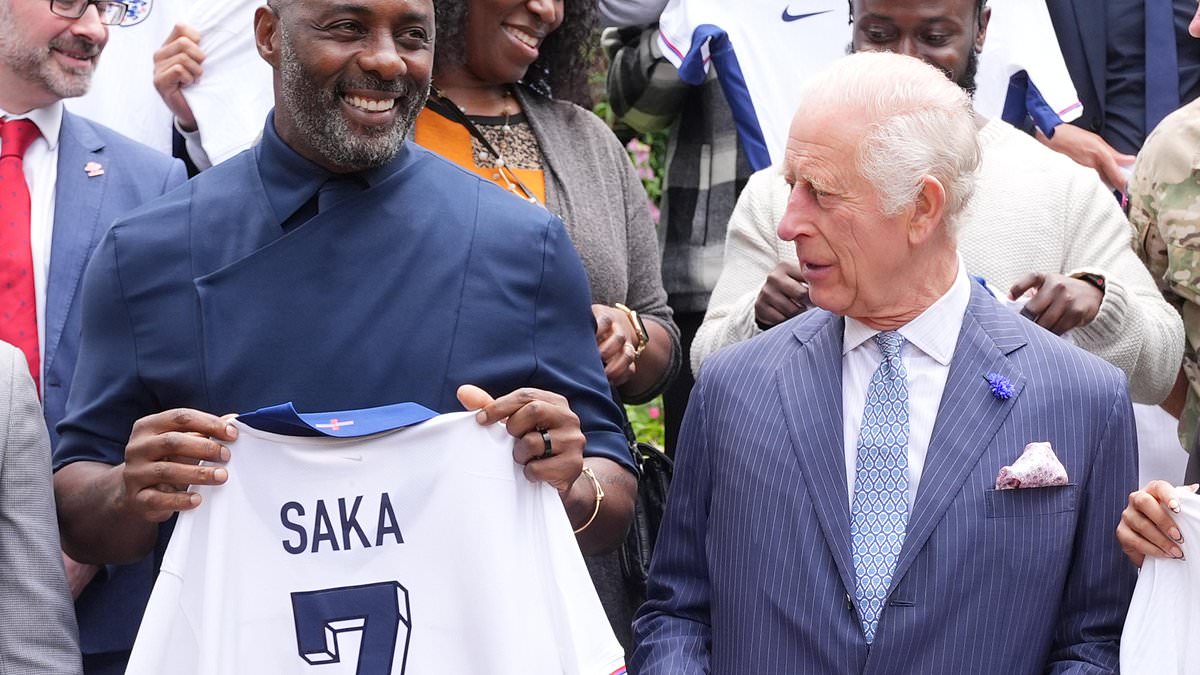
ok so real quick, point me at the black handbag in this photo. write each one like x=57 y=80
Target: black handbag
x=656 y=470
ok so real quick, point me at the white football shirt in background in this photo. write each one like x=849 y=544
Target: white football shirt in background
x=765 y=50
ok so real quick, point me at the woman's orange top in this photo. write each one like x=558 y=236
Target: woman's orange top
x=454 y=142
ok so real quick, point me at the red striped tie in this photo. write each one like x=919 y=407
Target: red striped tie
x=18 y=304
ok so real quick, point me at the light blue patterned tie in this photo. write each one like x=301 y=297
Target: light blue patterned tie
x=880 y=508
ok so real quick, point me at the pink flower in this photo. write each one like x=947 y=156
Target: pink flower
x=640 y=152
x=654 y=412
x=655 y=214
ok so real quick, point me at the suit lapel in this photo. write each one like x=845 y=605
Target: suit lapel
x=968 y=416
x=810 y=386
x=1092 y=21
x=77 y=198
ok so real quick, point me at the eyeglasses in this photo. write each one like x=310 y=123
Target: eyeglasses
x=111 y=12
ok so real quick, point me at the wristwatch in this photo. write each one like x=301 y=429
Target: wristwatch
x=1091 y=278
x=643 y=337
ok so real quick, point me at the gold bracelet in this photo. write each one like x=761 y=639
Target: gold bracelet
x=639 y=326
x=587 y=471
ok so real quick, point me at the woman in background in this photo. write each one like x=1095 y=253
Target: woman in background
x=503 y=75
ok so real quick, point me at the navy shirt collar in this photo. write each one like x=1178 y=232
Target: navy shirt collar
x=290 y=180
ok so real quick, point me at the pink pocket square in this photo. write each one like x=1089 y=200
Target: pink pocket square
x=1036 y=467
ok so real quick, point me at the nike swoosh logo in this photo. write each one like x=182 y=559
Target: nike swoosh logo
x=787 y=17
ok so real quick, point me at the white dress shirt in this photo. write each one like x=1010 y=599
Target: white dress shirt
x=931 y=338
x=41 y=173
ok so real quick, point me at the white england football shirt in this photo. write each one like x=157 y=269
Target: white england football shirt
x=1162 y=629
x=765 y=50
x=420 y=551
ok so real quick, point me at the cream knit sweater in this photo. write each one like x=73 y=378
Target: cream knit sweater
x=1033 y=210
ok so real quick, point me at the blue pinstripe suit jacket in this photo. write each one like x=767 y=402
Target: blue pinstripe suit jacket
x=753 y=571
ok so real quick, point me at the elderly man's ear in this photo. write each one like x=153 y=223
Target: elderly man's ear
x=928 y=211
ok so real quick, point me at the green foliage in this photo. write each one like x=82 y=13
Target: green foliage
x=647 y=421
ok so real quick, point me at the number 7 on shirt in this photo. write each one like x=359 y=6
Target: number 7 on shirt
x=378 y=610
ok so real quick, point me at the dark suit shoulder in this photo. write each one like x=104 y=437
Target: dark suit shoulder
x=1053 y=362
x=765 y=352
x=228 y=182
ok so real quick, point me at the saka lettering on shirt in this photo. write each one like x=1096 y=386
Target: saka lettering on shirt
x=338 y=528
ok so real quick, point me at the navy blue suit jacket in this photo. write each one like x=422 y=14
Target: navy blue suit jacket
x=753 y=572
x=1081 y=27
x=84 y=207
x=431 y=279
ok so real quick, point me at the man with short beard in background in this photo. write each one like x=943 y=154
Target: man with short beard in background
x=337 y=266
x=70 y=178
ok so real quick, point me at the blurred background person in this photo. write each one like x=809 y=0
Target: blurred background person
x=1164 y=208
x=505 y=73
x=705 y=169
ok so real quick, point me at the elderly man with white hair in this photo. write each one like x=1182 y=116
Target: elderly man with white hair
x=909 y=478
x=1039 y=223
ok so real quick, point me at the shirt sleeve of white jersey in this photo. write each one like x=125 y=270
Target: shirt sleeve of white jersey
x=585 y=638
x=231 y=99
x=1021 y=37
x=675 y=28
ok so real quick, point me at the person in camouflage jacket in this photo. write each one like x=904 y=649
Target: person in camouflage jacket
x=1164 y=208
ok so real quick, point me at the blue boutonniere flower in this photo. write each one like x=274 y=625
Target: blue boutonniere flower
x=1001 y=387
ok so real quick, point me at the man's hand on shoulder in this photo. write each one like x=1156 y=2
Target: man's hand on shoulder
x=782 y=296
x=1060 y=302
x=1090 y=150
x=549 y=439
x=162 y=461
x=176 y=66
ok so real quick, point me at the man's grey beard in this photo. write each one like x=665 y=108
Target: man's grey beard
x=317 y=115
x=35 y=63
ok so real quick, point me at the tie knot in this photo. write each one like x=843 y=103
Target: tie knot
x=16 y=136
x=890 y=342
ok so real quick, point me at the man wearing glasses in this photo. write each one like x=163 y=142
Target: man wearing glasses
x=65 y=180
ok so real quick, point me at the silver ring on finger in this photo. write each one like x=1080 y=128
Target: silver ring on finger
x=547 y=447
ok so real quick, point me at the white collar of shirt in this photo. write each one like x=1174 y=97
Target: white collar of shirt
x=933 y=336
x=48 y=121
x=934 y=331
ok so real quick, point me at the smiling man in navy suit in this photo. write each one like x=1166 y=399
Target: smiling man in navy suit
x=79 y=177
x=835 y=507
